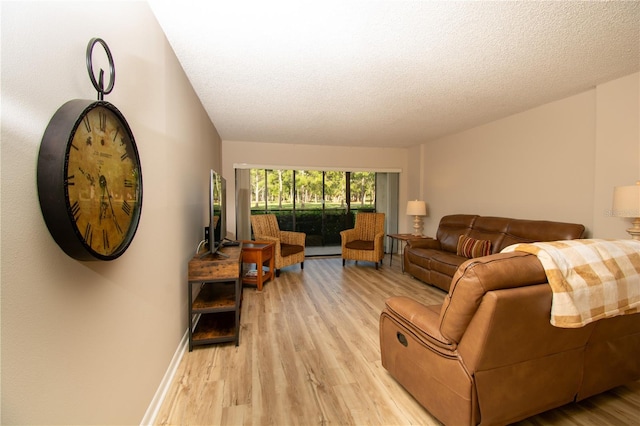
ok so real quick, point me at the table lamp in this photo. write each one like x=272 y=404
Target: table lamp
x=626 y=203
x=417 y=209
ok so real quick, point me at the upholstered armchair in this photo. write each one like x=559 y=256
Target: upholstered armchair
x=366 y=240
x=289 y=245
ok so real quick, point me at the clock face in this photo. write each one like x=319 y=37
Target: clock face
x=90 y=180
x=103 y=181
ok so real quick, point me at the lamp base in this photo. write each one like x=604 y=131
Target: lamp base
x=634 y=231
x=417 y=226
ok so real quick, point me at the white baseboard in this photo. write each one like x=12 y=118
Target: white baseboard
x=153 y=409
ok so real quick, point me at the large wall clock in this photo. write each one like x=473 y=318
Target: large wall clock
x=89 y=175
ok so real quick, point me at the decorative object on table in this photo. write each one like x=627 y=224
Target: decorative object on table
x=626 y=203
x=289 y=245
x=417 y=209
x=89 y=174
x=366 y=240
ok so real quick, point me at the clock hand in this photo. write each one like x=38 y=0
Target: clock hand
x=113 y=213
x=87 y=175
x=103 y=205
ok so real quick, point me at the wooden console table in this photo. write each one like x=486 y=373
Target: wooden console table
x=260 y=253
x=214 y=314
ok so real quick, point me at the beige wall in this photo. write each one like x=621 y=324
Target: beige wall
x=617 y=150
x=309 y=157
x=559 y=161
x=89 y=342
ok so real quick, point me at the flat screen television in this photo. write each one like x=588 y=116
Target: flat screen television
x=216 y=232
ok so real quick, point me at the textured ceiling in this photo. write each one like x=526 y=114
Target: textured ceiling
x=391 y=73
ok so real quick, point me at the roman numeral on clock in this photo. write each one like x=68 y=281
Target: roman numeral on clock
x=87 y=124
x=88 y=234
x=103 y=121
x=75 y=211
x=126 y=208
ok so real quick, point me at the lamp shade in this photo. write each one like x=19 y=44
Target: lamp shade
x=416 y=208
x=626 y=201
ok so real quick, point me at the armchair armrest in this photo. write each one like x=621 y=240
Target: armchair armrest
x=291 y=237
x=269 y=238
x=347 y=235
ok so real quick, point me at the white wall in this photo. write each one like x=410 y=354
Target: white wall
x=559 y=161
x=311 y=157
x=89 y=342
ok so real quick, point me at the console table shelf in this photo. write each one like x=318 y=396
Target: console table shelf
x=214 y=312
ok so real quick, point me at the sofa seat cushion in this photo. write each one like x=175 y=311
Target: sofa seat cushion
x=289 y=249
x=446 y=263
x=420 y=256
x=360 y=245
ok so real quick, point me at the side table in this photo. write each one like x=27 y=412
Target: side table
x=404 y=238
x=261 y=254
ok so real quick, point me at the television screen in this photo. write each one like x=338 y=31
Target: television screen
x=217 y=231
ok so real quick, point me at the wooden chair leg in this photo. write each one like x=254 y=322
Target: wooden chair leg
x=277 y=273
x=301 y=265
x=376 y=265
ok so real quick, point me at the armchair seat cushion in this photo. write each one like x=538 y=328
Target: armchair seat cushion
x=289 y=249
x=360 y=245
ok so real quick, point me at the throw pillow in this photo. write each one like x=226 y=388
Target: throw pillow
x=470 y=247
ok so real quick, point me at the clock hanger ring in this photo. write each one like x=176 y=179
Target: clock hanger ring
x=99 y=85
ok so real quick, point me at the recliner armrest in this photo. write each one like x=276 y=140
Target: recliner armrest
x=423 y=320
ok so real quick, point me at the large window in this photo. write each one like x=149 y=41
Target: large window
x=318 y=203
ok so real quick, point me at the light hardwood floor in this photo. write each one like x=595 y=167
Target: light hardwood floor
x=309 y=354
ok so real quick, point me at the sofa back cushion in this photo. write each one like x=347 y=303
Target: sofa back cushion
x=502 y=231
x=450 y=229
x=492 y=229
x=529 y=231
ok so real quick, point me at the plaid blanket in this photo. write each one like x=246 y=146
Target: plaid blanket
x=591 y=279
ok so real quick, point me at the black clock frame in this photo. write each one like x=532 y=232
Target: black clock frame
x=52 y=175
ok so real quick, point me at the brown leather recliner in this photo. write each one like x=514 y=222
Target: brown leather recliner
x=489 y=355
x=434 y=261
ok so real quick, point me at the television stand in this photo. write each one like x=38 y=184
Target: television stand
x=215 y=296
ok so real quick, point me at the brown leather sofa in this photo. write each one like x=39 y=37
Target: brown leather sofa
x=489 y=355
x=434 y=261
